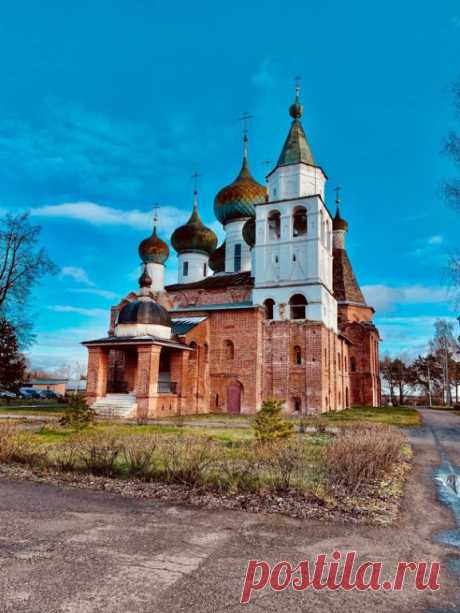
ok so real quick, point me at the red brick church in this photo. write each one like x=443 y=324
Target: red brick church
x=274 y=311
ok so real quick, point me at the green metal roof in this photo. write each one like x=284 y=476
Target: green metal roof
x=296 y=148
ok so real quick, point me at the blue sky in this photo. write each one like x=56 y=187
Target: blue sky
x=108 y=107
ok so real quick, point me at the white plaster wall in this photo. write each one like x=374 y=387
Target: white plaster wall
x=233 y=236
x=290 y=259
x=142 y=330
x=196 y=261
x=296 y=180
x=156 y=273
x=321 y=306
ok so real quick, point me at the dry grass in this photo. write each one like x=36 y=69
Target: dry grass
x=360 y=455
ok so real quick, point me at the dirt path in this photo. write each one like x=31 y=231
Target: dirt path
x=71 y=550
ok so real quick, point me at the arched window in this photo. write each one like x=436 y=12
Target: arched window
x=339 y=361
x=229 y=350
x=298 y=304
x=347 y=399
x=269 y=305
x=340 y=399
x=296 y=405
x=297 y=355
x=205 y=269
x=345 y=363
x=299 y=221
x=185 y=269
x=274 y=225
x=193 y=355
x=206 y=352
x=353 y=364
x=322 y=228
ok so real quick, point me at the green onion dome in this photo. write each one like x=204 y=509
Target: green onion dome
x=249 y=232
x=217 y=259
x=338 y=222
x=194 y=235
x=153 y=250
x=237 y=200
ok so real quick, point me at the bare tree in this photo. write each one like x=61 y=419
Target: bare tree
x=445 y=346
x=22 y=264
x=452 y=147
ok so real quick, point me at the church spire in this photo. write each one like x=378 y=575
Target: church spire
x=296 y=148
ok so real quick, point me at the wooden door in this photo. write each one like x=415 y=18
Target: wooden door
x=234 y=398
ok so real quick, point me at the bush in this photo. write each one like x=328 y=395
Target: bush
x=139 y=454
x=186 y=459
x=269 y=425
x=360 y=455
x=99 y=453
x=285 y=463
x=19 y=446
x=78 y=414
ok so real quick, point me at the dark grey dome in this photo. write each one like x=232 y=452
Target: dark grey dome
x=144 y=312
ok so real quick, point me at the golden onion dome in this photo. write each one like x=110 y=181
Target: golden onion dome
x=217 y=259
x=153 y=250
x=237 y=200
x=194 y=235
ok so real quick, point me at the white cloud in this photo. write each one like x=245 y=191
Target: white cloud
x=58 y=308
x=98 y=215
x=384 y=298
x=96 y=292
x=408 y=336
x=77 y=274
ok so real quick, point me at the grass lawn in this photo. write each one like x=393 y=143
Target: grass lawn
x=403 y=417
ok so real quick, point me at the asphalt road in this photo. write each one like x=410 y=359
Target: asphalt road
x=78 y=551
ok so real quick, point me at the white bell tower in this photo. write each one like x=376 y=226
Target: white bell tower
x=293 y=248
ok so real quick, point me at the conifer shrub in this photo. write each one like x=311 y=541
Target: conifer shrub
x=269 y=424
x=77 y=414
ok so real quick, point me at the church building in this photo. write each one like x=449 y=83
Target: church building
x=275 y=311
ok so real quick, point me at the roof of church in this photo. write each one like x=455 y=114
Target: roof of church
x=346 y=288
x=218 y=281
x=296 y=148
x=184 y=325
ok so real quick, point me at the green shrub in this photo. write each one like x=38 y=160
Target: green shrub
x=77 y=414
x=269 y=424
x=360 y=455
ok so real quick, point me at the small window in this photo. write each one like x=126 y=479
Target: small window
x=353 y=364
x=269 y=305
x=193 y=355
x=299 y=222
x=339 y=364
x=274 y=226
x=229 y=350
x=294 y=259
x=205 y=270
x=297 y=355
x=297 y=405
x=206 y=352
x=185 y=269
x=298 y=304
x=237 y=258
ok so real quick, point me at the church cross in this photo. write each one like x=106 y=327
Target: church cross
x=337 y=194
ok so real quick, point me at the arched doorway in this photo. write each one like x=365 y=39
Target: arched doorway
x=234 y=393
